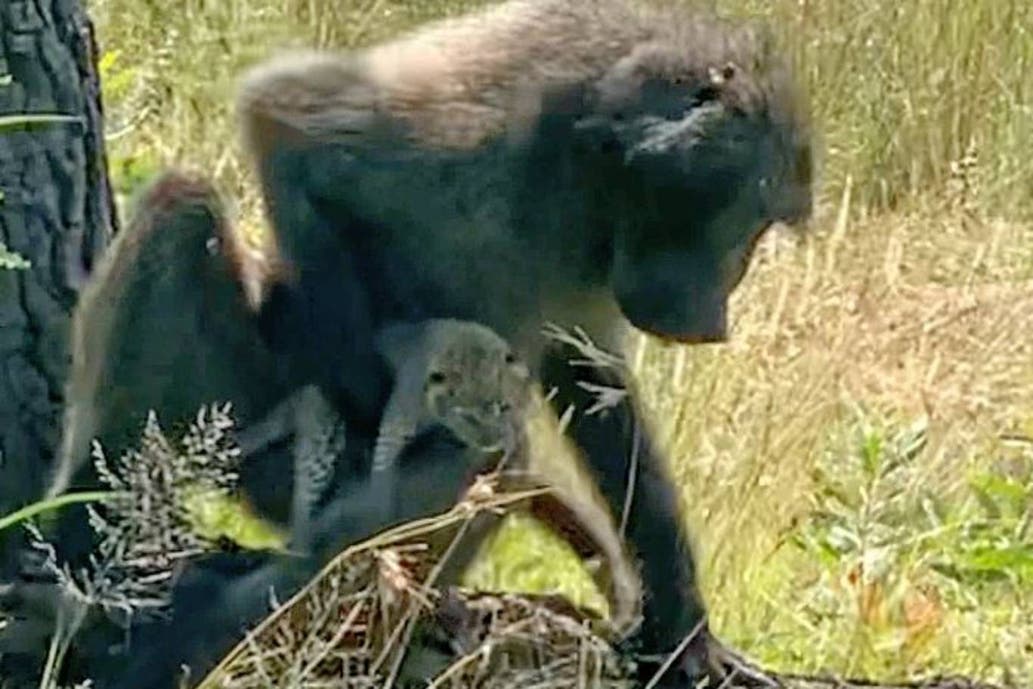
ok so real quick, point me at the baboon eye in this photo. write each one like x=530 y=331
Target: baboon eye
x=436 y=378
x=510 y=358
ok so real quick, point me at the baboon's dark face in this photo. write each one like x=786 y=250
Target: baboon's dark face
x=711 y=160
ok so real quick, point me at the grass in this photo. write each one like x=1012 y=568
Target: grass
x=857 y=462
x=811 y=554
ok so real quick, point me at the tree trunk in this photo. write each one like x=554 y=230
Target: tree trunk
x=56 y=211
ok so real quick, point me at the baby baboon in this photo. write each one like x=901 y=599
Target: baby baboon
x=456 y=374
x=585 y=163
x=462 y=377
x=454 y=377
x=318 y=443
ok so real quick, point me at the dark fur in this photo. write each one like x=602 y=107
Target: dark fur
x=167 y=323
x=434 y=469
x=583 y=163
x=586 y=163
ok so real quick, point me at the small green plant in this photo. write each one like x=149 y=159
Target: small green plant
x=988 y=538
x=902 y=551
x=865 y=506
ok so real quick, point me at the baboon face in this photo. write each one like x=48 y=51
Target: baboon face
x=711 y=159
x=478 y=389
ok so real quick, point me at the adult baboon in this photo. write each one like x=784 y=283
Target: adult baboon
x=167 y=323
x=586 y=163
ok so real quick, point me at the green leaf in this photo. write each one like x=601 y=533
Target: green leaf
x=15 y=121
x=993 y=563
x=871 y=453
x=1013 y=558
x=913 y=440
x=1002 y=492
x=843 y=540
x=214 y=515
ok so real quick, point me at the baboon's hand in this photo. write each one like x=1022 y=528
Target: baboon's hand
x=702 y=660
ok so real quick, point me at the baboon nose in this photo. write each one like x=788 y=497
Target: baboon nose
x=699 y=320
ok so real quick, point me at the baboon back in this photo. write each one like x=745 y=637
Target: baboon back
x=168 y=323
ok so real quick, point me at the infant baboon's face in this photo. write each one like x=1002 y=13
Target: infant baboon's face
x=477 y=388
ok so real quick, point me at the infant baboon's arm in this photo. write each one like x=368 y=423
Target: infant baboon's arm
x=319 y=440
x=274 y=427
x=318 y=437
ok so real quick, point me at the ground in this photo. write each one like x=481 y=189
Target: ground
x=857 y=462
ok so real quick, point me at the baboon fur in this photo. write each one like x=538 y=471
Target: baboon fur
x=590 y=163
x=167 y=323
x=462 y=378
x=593 y=163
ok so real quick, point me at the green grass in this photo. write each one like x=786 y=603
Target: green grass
x=853 y=461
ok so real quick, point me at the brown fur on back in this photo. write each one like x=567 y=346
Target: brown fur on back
x=173 y=280
x=460 y=82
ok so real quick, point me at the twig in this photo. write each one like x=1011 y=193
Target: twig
x=397 y=534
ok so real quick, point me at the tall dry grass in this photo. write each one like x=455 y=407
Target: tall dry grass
x=904 y=91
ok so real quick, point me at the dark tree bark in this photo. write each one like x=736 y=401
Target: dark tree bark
x=57 y=212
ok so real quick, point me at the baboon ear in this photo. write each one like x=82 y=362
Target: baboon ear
x=398 y=342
